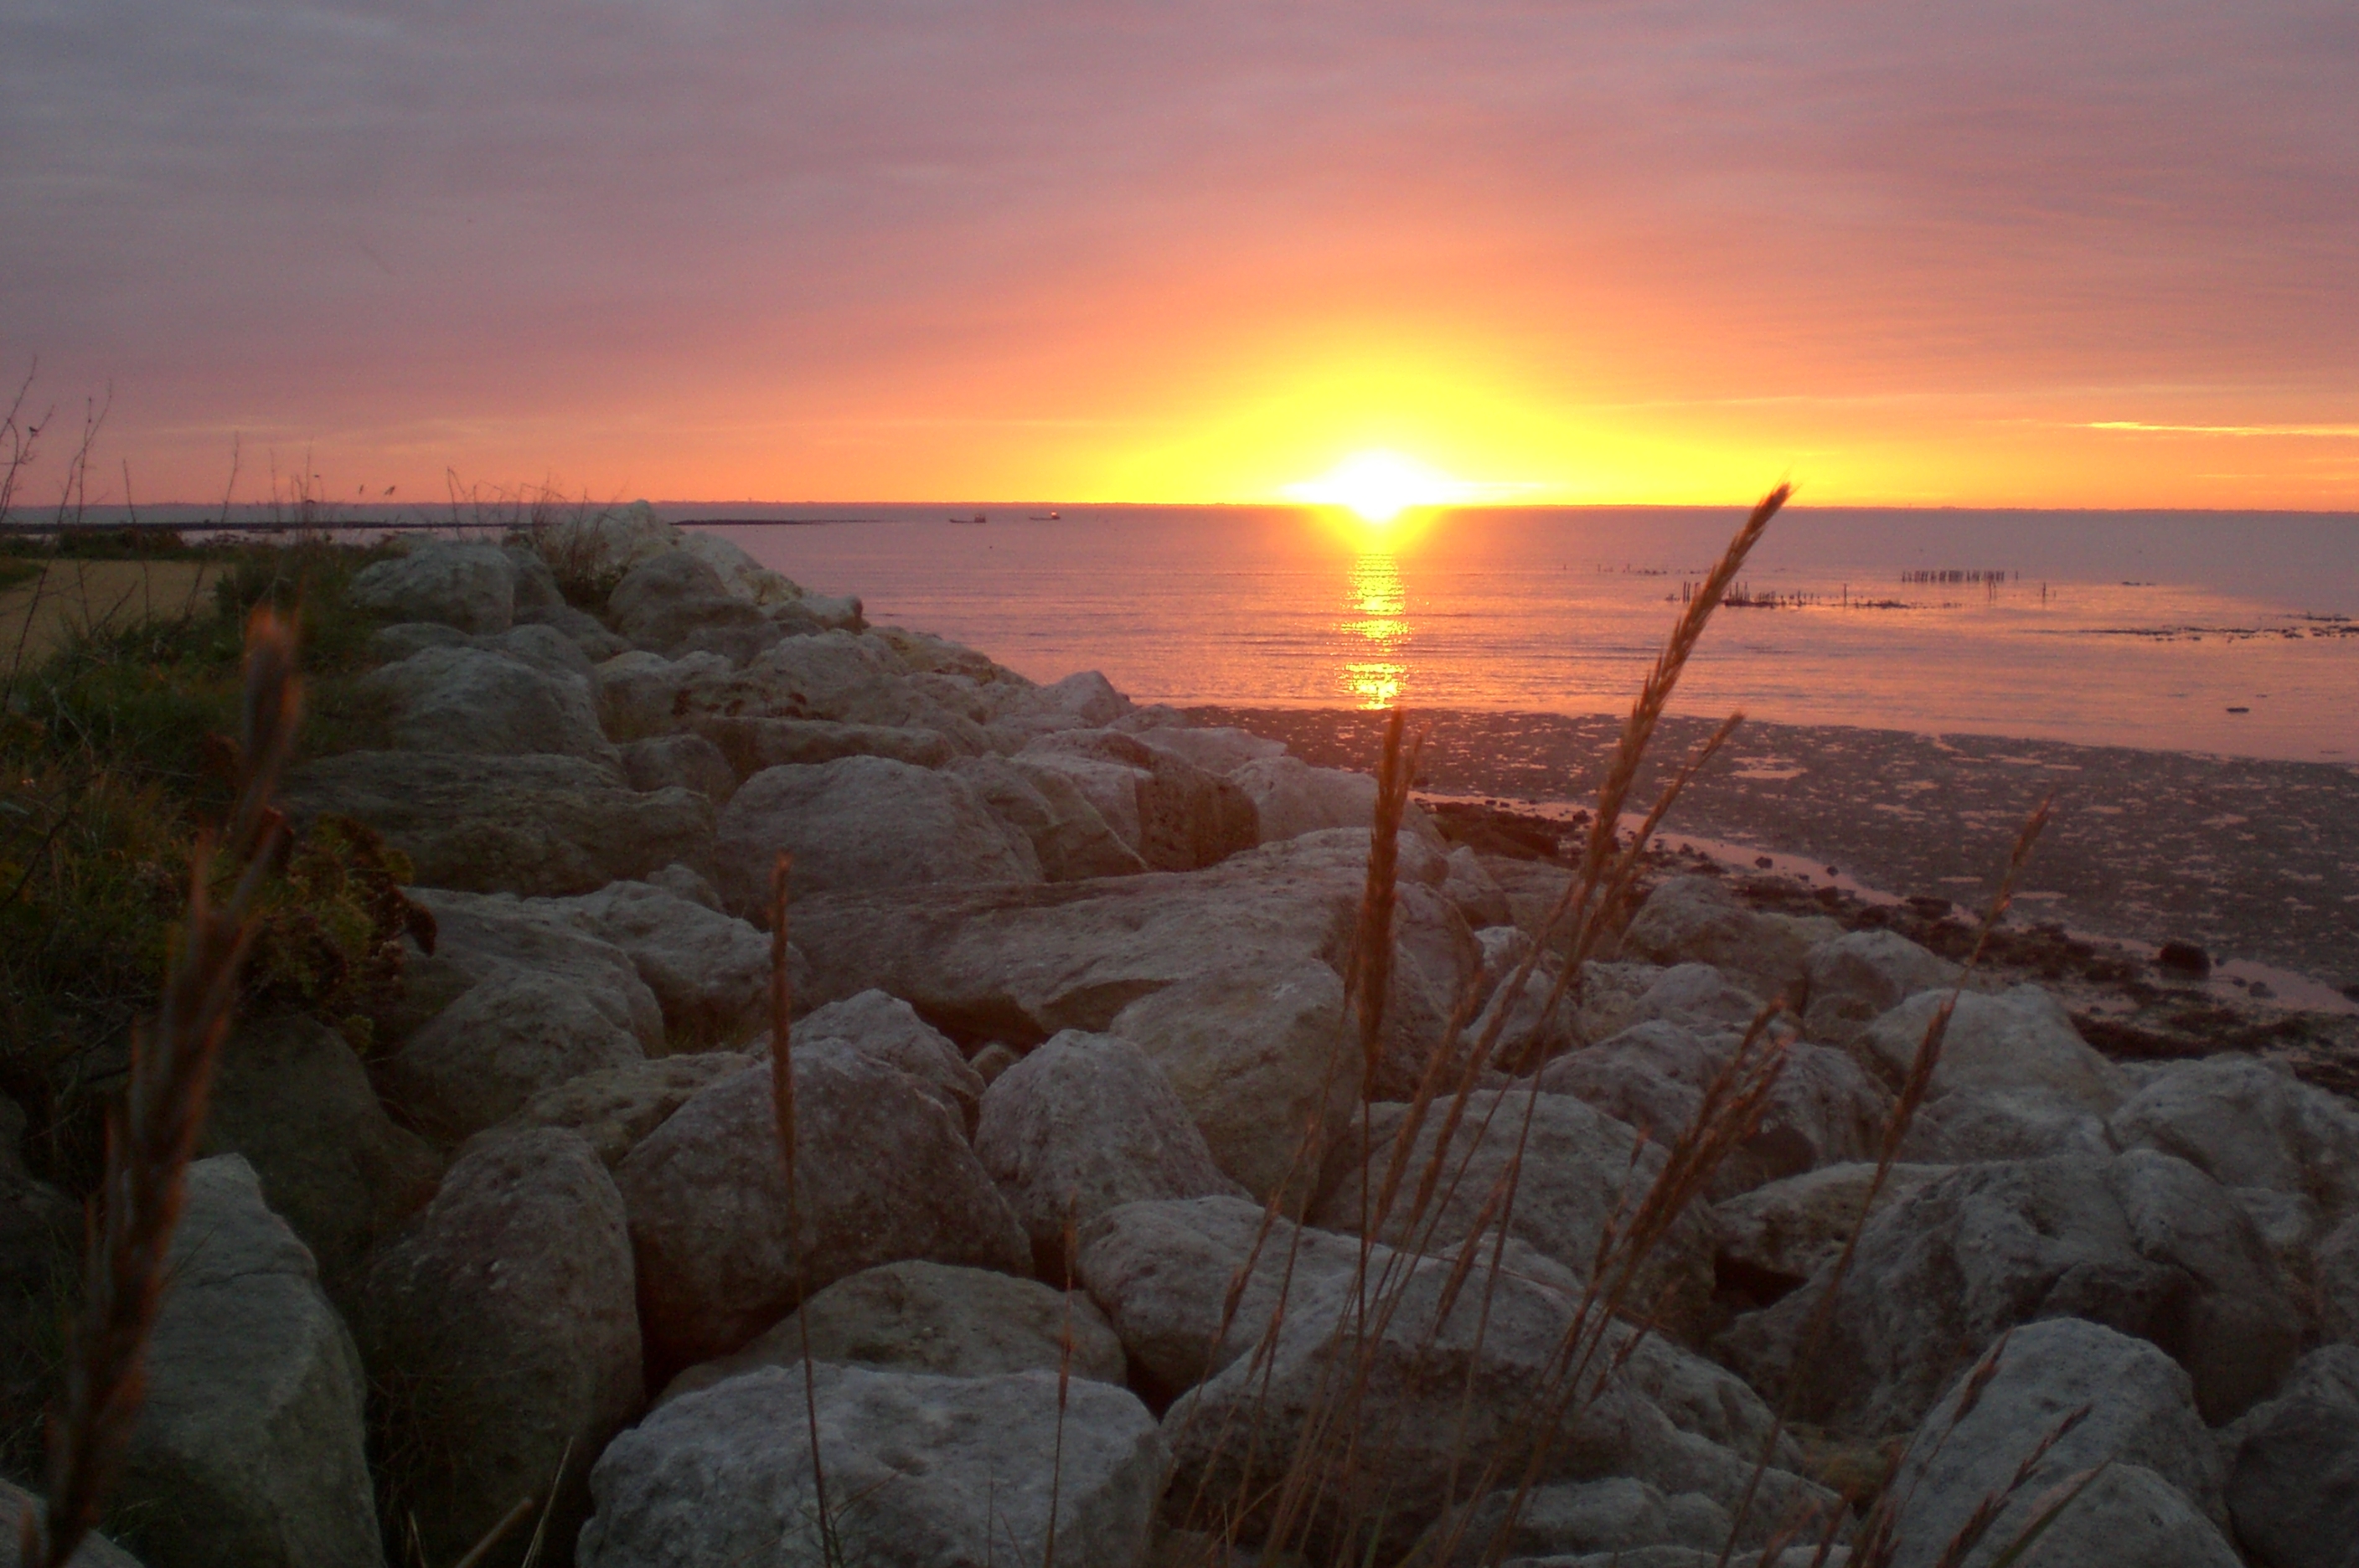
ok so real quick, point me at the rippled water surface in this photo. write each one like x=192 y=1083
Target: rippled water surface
x=2236 y=633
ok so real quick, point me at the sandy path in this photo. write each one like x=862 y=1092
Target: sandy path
x=38 y=616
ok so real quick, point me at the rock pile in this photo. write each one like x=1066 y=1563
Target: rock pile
x=1085 y=1146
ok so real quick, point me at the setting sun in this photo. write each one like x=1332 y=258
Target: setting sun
x=1380 y=485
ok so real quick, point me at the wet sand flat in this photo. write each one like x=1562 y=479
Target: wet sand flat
x=37 y=617
x=2251 y=859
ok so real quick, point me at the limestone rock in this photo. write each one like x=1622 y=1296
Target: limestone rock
x=2294 y=1485
x=610 y=539
x=1861 y=975
x=686 y=761
x=862 y=823
x=1291 y=798
x=948 y=1471
x=2337 y=1267
x=471 y=586
x=519 y=824
x=471 y=701
x=1185 y=817
x=1575 y=1518
x=1470 y=886
x=547 y=1003
x=1451 y=1368
x=583 y=629
x=753 y=742
x=932 y=1317
x=1067 y=835
x=1972 y=1444
x=674 y=603
x=1771 y=1239
x=2020 y=1039
x=710 y=972
x=502 y=1328
x=1215 y=748
x=854 y=679
x=1822 y=1110
x=740 y=575
x=292 y=1098
x=2247 y=1123
x=641 y=694
x=1578 y=1170
x=1163 y=1270
x=1020 y=963
x=884 y=1173
x=1696 y=920
x=508 y=1038
x=247 y=1451
x=887 y=1033
x=1266 y=1064
x=1082 y=1125
x=2142 y=1243
x=614 y=1107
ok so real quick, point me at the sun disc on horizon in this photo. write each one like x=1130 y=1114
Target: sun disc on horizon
x=1378 y=487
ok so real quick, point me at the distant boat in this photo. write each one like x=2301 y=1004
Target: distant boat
x=972 y=522
x=1046 y=517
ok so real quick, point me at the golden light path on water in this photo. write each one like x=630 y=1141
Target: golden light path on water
x=1376 y=619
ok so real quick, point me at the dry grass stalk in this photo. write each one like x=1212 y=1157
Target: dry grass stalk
x=782 y=1101
x=1913 y=1090
x=150 y=1140
x=482 y=1549
x=1313 y=1474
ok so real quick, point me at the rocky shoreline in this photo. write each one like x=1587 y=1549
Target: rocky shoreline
x=1093 y=1174
x=2247 y=858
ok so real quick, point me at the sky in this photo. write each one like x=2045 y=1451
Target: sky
x=2002 y=254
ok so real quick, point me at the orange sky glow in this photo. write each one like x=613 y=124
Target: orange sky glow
x=2086 y=255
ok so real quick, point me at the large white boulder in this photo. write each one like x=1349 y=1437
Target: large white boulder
x=887 y=1033
x=2142 y=1242
x=544 y=1001
x=1859 y=976
x=916 y=1316
x=640 y=693
x=473 y=702
x=614 y=1107
x=1577 y=1170
x=468 y=585
x=502 y=1330
x=920 y=1470
x=675 y=604
x=1178 y=816
x=1696 y=920
x=247 y=1451
x=1462 y=1361
x=1266 y=1065
x=1977 y=1441
x=884 y=1173
x=2014 y=1081
x=2248 y=1122
x=710 y=972
x=862 y=823
x=1068 y=835
x=520 y=824
x=1082 y=1125
x=2293 y=1483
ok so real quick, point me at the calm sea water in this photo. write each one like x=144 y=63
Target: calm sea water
x=2218 y=632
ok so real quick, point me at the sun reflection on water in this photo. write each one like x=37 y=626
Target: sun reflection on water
x=1377 y=618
